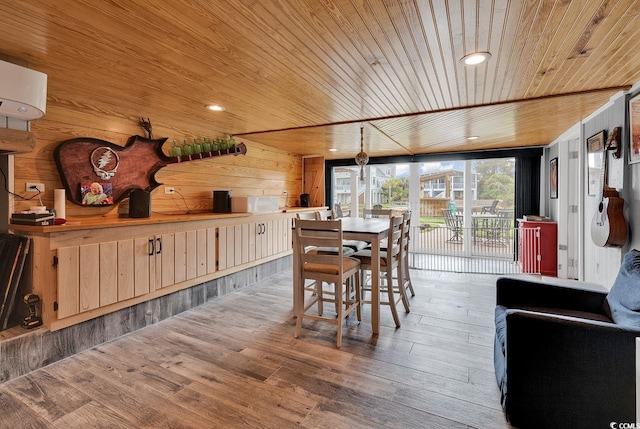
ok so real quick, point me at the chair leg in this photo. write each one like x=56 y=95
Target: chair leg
x=392 y=299
x=299 y=312
x=339 y=310
x=401 y=290
x=319 y=291
x=358 y=296
x=407 y=276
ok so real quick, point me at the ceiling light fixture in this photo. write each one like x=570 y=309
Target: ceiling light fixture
x=333 y=149
x=475 y=58
x=215 y=107
x=362 y=158
x=473 y=138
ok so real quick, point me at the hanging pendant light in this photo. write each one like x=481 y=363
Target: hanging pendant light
x=362 y=158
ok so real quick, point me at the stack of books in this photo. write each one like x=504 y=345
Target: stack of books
x=536 y=218
x=36 y=219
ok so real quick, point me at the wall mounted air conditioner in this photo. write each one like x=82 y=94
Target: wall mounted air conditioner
x=23 y=92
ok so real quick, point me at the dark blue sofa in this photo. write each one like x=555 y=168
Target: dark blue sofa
x=565 y=356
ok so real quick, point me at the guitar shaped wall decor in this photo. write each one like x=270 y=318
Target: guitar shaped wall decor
x=96 y=172
x=609 y=227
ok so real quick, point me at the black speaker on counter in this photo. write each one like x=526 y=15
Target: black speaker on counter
x=305 y=200
x=139 y=203
x=222 y=201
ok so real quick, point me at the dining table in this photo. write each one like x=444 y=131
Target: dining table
x=353 y=228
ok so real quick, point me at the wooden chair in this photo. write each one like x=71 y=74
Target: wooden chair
x=349 y=246
x=328 y=268
x=404 y=249
x=376 y=213
x=390 y=260
x=306 y=215
x=453 y=224
x=340 y=213
x=325 y=215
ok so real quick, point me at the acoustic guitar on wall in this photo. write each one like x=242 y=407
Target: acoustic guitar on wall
x=609 y=227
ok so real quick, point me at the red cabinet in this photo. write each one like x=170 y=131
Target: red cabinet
x=538 y=247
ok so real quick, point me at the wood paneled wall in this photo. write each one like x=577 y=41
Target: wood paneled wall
x=263 y=170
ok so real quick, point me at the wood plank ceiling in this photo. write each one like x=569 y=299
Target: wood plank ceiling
x=303 y=75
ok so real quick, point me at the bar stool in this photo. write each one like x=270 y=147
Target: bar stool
x=390 y=260
x=404 y=249
x=342 y=272
x=354 y=245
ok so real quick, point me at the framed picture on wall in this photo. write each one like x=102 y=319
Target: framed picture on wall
x=634 y=129
x=595 y=151
x=553 y=178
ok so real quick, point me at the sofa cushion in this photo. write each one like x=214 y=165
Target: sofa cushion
x=501 y=326
x=623 y=301
x=499 y=347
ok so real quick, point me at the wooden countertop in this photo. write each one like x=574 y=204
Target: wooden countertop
x=78 y=223
x=113 y=221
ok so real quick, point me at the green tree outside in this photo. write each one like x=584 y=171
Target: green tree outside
x=397 y=189
x=496 y=180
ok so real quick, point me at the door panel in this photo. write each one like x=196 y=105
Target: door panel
x=109 y=273
x=89 y=276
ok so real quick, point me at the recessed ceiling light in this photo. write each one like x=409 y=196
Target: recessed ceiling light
x=475 y=58
x=472 y=138
x=215 y=107
x=333 y=149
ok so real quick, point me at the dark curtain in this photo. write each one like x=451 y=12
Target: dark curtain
x=527 y=198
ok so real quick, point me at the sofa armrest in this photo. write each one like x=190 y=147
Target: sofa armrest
x=514 y=293
x=568 y=372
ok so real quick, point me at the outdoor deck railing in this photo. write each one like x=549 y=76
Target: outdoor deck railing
x=486 y=250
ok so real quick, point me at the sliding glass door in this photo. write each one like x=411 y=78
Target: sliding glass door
x=461 y=208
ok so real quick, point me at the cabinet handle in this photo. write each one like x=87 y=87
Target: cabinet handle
x=159 y=249
x=152 y=246
x=264 y=228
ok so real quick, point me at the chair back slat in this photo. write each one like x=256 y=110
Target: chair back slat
x=325 y=215
x=319 y=233
x=376 y=213
x=306 y=215
x=395 y=236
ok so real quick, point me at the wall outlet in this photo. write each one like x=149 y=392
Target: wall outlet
x=34 y=187
x=169 y=190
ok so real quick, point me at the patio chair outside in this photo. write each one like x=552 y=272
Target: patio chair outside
x=492 y=209
x=454 y=224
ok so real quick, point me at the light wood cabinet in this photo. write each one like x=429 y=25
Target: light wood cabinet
x=83 y=272
x=248 y=242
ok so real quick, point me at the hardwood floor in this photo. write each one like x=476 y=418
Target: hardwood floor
x=233 y=363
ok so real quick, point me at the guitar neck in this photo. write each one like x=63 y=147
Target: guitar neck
x=605 y=190
x=239 y=149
